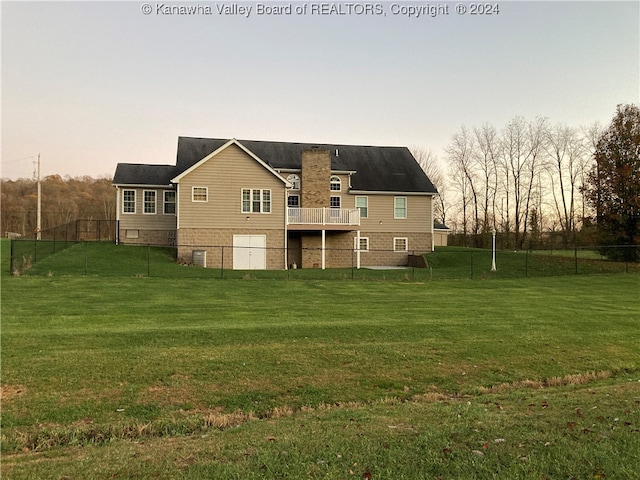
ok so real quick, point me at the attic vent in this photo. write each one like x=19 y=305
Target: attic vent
x=337 y=152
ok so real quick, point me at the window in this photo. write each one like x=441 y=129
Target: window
x=364 y=244
x=335 y=184
x=255 y=203
x=400 y=244
x=199 y=194
x=256 y=200
x=334 y=202
x=246 y=200
x=128 y=201
x=295 y=181
x=400 y=207
x=293 y=201
x=266 y=201
x=149 y=202
x=362 y=203
x=169 y=203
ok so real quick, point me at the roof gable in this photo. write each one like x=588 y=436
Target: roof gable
x=224 y=146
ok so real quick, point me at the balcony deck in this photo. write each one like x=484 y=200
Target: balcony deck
x=323 y=218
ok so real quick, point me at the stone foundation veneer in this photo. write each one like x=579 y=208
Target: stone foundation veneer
x=218 y=243
x=147 y=237
x=339 y=251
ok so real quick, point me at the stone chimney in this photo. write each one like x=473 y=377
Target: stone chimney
x=314 y=178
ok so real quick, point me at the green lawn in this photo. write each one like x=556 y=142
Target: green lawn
x=135 y=377
x=105 y=260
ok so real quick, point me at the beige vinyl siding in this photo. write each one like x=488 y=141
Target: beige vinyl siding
x=381 y=209
x=146 y=221
x=225 y=175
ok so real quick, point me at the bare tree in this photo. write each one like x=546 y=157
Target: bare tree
x=536 y=143
x=514 y=162
x=428 y=161
x=486 y=158
x=590 y=136
x=460 y=156
x=566 y=152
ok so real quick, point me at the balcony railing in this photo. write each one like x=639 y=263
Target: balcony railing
x=323 y=216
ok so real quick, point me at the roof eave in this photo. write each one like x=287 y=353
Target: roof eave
x=397 y=192
x=143 y=185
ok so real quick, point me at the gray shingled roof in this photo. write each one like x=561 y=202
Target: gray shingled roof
x=140 y=174
x=381 y=169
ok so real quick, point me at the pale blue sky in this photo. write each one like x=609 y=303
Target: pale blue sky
x=91 y=84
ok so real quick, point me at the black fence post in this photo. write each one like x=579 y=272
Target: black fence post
x=11 y=257
x=222 y=263
x=627 y=259
x=148 y=260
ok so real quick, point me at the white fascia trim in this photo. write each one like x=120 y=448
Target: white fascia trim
x=147 y=186
x=403 y=194
x=233 y=141
x=299 y=170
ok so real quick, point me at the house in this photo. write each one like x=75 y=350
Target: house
x=440 y=234
x=258 y=204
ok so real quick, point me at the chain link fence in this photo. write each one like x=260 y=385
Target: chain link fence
x=65 y=257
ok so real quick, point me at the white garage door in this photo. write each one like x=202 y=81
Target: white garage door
x=249 y=252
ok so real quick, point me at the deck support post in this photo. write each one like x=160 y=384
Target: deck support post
x=323 y=246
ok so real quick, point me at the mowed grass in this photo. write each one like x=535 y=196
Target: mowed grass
x=135 y=377
x=106 y=259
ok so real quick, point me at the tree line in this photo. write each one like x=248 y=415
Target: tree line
x=531 y=179
x=63 y=200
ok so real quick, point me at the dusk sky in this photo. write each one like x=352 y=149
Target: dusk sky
x=89 y=84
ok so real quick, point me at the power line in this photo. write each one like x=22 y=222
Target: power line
x=7 y=162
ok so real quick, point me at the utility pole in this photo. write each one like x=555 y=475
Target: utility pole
x=39 y=212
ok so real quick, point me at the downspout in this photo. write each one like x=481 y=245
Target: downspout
x=286 y=231
x=358 y=249
x=117 y=215
x=433 y=241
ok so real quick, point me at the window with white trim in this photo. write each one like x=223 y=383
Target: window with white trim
x=364 y=243
x=199 y=194
x=128 y=201
x=334 y=202
x=256 y=200
x=400 y=207
x=362 y=203
x=149 y=202
x=400 y=244
x=335 y=184
x=169 y=202
x=294 y=180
